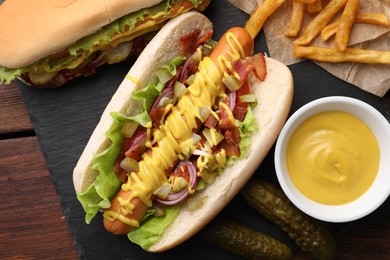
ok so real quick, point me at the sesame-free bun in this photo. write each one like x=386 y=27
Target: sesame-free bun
x=33 y=29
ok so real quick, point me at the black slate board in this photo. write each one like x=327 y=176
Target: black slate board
x=65 y=117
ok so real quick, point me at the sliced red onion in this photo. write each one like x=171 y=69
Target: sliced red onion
x=138 y=138
x=232 y=100
x=166 y=93
x=200 y=152
x=191 y=60
x=174 y=198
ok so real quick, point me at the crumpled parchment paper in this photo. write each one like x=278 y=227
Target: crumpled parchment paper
x=373 y=78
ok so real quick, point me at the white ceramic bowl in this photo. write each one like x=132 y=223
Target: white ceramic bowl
x=378 y=191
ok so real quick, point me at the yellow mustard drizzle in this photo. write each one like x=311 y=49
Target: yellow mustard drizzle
x=223 y=61
x=172 y=137
x=213 y=137
x=133 y=79
x=148 y=142
x=229 y=112
x=221 y=158
x=166 y=111
x=149 y=26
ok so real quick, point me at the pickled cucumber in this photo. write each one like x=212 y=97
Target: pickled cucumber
x=243 y=241
x=311 y=235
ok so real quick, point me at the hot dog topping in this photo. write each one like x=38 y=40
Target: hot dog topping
x=174 y=133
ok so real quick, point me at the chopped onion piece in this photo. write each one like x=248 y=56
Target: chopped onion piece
x=129 y=128
x=232 y=82
x=196 y=138
x=163 y=75
x=248 y=98
x=213 y=137
x=179 y=89
x=200 y=152
x=164 y=190
x=204 y=112
x=190 y=79
x=129 y=165
x=164 y=101
x=179 y=183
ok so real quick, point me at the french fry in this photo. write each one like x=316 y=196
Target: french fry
x=307 y=1
x=345 y=24
x=329 y=30
x=369 y=18
x=257 y=19
x=320 y=21
x=315 y=7
x=297 y=13
x=373 y=18
x=349 y=55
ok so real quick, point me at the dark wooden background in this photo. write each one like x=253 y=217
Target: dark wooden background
x=32 y=224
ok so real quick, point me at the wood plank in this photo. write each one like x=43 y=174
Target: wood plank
x=13 y=115
x=32 y=223
x=371 y=242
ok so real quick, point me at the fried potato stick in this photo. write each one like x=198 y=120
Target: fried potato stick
x=315 y=7
x=373 y=18
x=345 y=24
x=369 y=18
x=307 y=1
x=257 y=19
x=349 y=55
x=320 y=21
x=297 y=13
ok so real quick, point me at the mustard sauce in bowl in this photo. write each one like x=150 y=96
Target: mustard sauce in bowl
x=332 y=159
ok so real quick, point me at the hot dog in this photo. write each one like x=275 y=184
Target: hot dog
x=222 y=49
x=170 y=151
x=68 y=39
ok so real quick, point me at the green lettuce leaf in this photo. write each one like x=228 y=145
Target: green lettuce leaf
x=152 y=228
x=106 y=184
x=7 y=75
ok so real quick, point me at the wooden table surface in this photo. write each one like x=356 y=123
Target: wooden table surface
x=32 y=223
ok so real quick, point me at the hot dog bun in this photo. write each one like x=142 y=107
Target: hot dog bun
x=274 y=96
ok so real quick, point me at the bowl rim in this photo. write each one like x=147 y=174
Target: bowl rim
x=378 y=192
